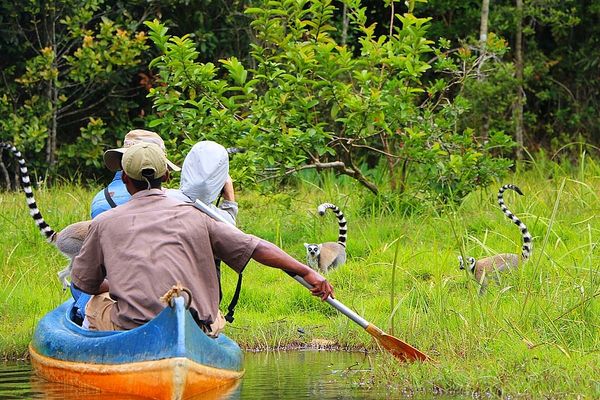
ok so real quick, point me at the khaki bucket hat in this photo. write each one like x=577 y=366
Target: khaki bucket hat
x=112 y=157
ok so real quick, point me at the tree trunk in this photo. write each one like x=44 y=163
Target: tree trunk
x=483 y=27
x=52 y=138
x=49 y=25
x=5 y=175
x=403 y=176
x=345 y=24
x=518 y=110
x=17 y=177
x=390 y=161
x=483 y=35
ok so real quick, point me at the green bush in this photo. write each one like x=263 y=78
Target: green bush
x=309 y=102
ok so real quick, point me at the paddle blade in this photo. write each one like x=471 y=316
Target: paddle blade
x=399 y=349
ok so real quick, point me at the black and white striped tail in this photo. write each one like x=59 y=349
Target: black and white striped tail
x=26 y=183
x=527 y=243
x=341 y=220
x=235 y=150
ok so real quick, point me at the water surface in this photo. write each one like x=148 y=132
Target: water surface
x=269 y=375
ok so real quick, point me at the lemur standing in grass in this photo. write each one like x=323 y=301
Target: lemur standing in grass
x=328 y=255
x=69 y=240
x=482 y=269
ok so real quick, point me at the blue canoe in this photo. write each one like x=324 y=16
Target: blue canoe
x=170 y=357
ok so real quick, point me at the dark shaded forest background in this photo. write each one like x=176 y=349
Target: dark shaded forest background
x=77 y=75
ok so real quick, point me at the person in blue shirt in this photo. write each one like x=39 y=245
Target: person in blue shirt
x=115 y=193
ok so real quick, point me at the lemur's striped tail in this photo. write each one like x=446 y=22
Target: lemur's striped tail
x=235 y=150
x=341 y=220
x=26 y=183
x=527 y=242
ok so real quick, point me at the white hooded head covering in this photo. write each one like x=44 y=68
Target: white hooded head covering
x=204 y=171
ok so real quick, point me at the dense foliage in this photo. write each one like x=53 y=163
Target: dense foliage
x=311 y=102
x=68 y=81
x=343 y=85
x=74 y=73
x=561 y=80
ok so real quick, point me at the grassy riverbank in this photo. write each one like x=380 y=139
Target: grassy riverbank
x=535 y=334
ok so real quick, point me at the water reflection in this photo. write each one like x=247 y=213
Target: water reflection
x=13 y=379
x=41 y=389
x=279 y=375
x=304 y=375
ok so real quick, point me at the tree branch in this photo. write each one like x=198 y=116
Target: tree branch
x=339 y=166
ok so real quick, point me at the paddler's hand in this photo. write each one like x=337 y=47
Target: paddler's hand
x=268 y=254
x=321 y=287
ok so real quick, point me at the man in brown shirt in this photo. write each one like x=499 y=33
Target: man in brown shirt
x=152 y=242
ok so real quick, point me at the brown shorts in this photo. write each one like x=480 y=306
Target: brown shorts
x=97 y=312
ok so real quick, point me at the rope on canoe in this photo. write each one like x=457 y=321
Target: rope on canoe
x=176 y=291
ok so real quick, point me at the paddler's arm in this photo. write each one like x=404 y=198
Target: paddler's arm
x=268 y=254
x=229 y=205
x=236 y=248
x=228 y=191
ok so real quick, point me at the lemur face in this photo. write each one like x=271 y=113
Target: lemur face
x=470 y=263
x=312 y=250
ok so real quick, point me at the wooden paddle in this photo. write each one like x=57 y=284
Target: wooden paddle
x=399 y=349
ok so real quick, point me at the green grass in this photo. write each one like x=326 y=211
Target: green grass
x=536 y=334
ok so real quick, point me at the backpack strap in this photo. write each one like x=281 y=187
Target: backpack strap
x=236 y=295
x=234 y=300
x=109 y=199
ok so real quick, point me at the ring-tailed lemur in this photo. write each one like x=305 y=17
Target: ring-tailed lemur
x=482 y=269
x=328 y=255
x=69 y=240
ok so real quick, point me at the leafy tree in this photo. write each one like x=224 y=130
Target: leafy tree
x=71 y=64
x=559 y=79
x=218 y=27
x=309 y=102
